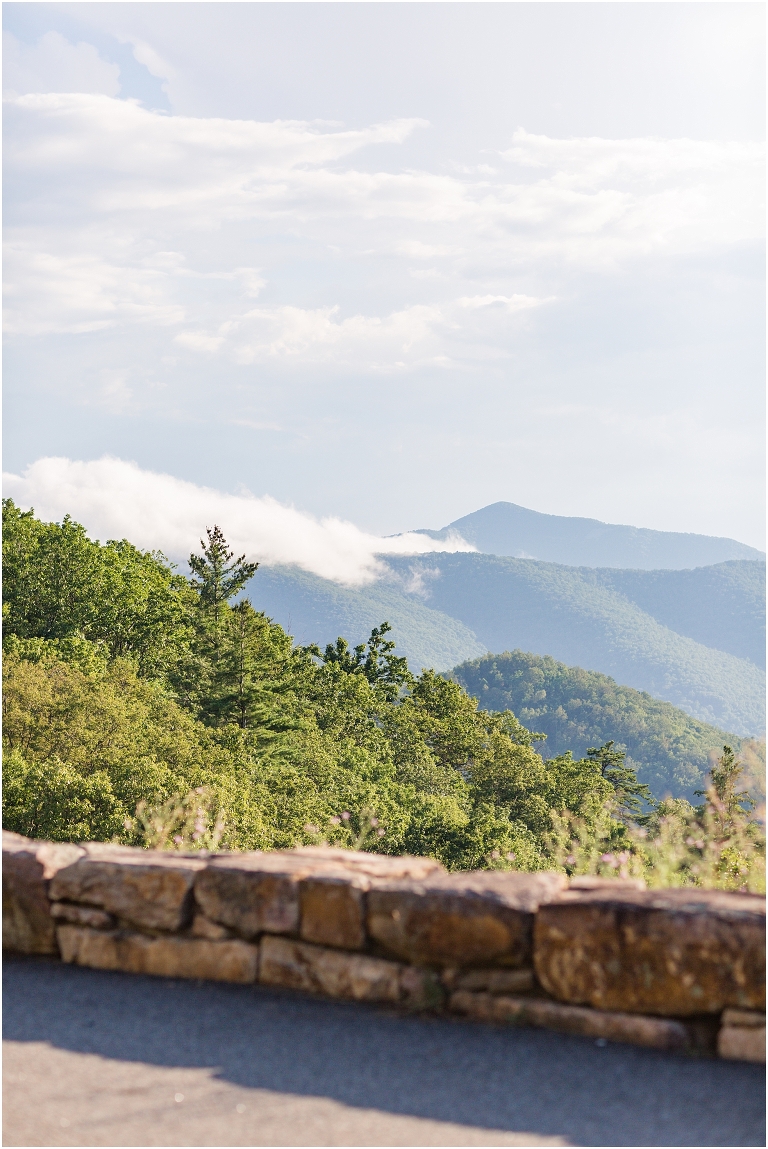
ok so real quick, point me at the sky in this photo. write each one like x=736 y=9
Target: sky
x=357 y=269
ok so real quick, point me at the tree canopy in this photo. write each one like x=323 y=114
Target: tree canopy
x=135 y=696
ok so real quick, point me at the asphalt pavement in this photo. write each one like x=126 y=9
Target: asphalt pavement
x=96 y=1058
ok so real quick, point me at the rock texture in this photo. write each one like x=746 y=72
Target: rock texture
x=298 y=965
x=674 y=952
x=256 y=892
x=28 y=868
x=271 y=892
x=142 y=887
x=741 y=1043
x=164 y=956
x=333 y=901
x=82 y=916
x=656 y=1032
x=491 y=980
x=461 y=919
x=332 y=909
x=742 y=1036
x=203 y=927
x=372 y=865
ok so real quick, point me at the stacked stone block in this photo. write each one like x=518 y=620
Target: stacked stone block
x=675 y=969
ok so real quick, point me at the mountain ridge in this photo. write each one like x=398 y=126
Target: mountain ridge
x=565 y=612
x=578 y=708
x=508 y=529
x=449 y=608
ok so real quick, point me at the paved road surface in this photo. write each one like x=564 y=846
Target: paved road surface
x=94 y=1058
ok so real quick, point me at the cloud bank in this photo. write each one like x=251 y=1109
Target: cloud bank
x=117 y=499
x=139 y=218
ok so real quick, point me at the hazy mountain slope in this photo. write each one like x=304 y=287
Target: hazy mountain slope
x=315 y=610
x=565 y=612
x=722 y=606
x=578 y=708
x=507 y=529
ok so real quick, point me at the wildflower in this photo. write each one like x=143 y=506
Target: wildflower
x=510 y=856
x=374 y=821
x=346 y=815
x=334 y=820
x=178 y=840
x=495 y=854
x=310 y=829
x=380 y=832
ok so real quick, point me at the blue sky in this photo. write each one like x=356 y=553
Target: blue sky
x=388 y=262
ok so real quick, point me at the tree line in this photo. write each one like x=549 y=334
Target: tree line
x=155 y=708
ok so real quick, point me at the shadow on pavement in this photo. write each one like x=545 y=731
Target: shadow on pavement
x=436 y=1068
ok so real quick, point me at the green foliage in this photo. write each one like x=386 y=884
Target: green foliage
x=53 y=800
x=59 y=584
x=631 y=798
x=374 y=659
x=222 y=732
x=717 y=844
x=218 y=578
x=670 y=751
x=183 y=823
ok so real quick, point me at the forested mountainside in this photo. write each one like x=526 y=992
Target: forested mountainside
x=313 y=609
x=576 y=708
x=722 y=606
x=145 y=707
x=573 y=614
x=507 y=529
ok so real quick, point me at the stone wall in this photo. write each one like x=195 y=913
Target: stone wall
x=680 y=969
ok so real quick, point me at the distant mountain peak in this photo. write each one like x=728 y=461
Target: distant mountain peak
x=508 y=529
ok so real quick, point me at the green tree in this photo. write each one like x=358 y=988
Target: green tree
x=214 y=679
x=633 y=799
x=257 y=677
x=374 y=659
x=58 y=584
x=219 y=575
x=723 y=779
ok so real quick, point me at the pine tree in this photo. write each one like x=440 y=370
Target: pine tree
x=632 y=797
x=218 y=578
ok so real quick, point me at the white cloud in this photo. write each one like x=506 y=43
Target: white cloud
x=141 y=219
x=55 y=65
x=117 y=499
x=511 y=302
x=80 y=291
x=613 y=199
x=312 y=336
x=145 y=54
